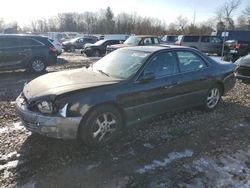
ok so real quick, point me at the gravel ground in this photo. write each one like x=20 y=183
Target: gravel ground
x=190 y=148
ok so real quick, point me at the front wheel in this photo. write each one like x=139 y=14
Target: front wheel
x=101 y=127
x=213 y=98
x=37 y=65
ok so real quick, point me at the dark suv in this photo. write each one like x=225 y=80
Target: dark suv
x=77 y=43
x=25 y=51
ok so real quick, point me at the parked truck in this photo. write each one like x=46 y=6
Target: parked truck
x=237 y=43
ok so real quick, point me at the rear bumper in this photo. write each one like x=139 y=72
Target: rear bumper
x=51 y=126
x=52 y=59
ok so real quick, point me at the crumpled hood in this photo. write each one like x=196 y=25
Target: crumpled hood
x=89 y=45
x=117 y=46
x=244 y=61
x=65 y=81
x=66 y=43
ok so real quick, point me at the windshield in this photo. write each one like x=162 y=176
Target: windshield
x=133 y=40
x=121 y=63
x=100 y=42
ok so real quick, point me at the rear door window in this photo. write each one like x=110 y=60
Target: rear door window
x=28 y=42
x=156 y=40
x=205 y=39
x=147 y=41
x=189 y=61
x=191 y=39
x=10 y=42
x=215 y=40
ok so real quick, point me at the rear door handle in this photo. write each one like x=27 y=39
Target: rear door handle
x=172 y=84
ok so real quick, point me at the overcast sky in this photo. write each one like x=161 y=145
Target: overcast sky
x=24 y=11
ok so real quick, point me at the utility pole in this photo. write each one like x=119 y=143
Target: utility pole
x=194 y=18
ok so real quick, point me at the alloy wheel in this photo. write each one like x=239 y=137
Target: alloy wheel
x=38 y=65
x=104 y=127
x=213 y=98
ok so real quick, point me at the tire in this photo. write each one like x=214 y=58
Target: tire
x=96 y=53
x=72 y=49
x=101 y=126
x=38 y=65
x=213 y=98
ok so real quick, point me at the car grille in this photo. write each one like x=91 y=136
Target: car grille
x=244 y=71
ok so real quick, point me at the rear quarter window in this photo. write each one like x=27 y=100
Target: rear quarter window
x=191 y=39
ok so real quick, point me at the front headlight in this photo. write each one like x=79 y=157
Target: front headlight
x=45 y=107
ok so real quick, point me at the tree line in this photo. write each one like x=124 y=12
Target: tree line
x=105 y=22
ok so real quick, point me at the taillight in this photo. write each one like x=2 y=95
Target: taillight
x=237 y=45
x=52 y=49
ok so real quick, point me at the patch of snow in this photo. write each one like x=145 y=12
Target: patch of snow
x=241 y=125
x=27 y=185
x=18 y=126
x=225 y=171
x=3 y=130
x=171 y=157
x=90 y=167
x=148 y=145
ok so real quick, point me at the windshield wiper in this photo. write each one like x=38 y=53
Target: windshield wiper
x=103 y=72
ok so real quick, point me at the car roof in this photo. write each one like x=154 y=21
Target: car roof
x=144 y=36
x=22 y=35
x=152 y=49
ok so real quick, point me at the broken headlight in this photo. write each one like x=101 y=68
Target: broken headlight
x=45 y=107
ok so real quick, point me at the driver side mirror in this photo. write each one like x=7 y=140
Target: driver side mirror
x=147 y=76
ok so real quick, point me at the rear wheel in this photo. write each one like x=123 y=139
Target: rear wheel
x=37 y=65
x=213 y=98
x=96 y=53
x=101 y=127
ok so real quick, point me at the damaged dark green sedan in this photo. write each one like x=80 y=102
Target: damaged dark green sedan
x=125 y=87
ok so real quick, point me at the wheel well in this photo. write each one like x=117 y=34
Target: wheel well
x=221 y=86
x=113 y=104
x=39 y=57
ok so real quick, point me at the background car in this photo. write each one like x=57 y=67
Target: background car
x=26 y=51
x=237 y=43
x=206 y=44
x=169 y=39
x=124 y=87
x=243 y=69
x=138 y=40
x=99 y=48
x=77 y=43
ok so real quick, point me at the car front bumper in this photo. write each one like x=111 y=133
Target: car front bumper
x=51 y=126
x=242 y=73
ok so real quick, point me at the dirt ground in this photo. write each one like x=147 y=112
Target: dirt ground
x=189 y=149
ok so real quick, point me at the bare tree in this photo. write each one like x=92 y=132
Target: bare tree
x=246 y=13
x=182 y=22
x=226 y=11
x=1 y=25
